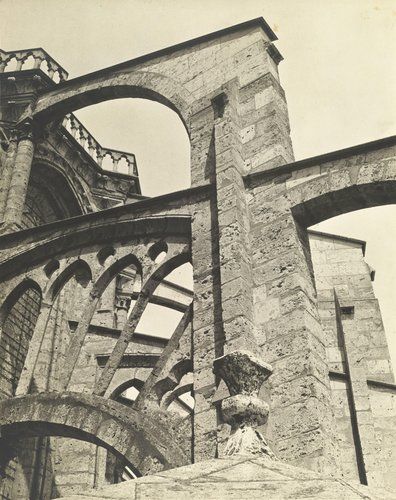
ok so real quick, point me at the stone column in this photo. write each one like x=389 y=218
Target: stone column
x=356 y=369
x=207 y=328
x=122 y=307
x=234 y=226
x=20 y=176
x=230 y=326
x=223 y=303
x=6 y=171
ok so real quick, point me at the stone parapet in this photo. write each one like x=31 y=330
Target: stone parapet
x=38 y=58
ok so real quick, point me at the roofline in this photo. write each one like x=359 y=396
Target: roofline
x=362 y=243
x=252 y=23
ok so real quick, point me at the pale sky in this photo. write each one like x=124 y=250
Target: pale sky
x=339 y=76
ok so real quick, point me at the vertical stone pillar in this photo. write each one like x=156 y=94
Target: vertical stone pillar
x=6 y=171
x=356 y=368
x=26 y=377
x=105 y=313
x=223 y=303
x=49 y=352
x=301 y=423
x=207 y=328
x=234 y=227
x=121 y=308
x=206 y=322
x=20 y=176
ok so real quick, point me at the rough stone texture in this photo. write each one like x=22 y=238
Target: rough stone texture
x=358 y=356
x=74 y=415
x=243 y=227
x=57 y=158
x=236 y=478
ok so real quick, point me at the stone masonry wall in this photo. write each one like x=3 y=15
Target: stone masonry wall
x=355 y=336
x=16 y=333
x=243 y=224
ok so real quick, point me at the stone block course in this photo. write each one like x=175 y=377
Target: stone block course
x=262 y=285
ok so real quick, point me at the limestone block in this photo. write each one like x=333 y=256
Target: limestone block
x=247 y=134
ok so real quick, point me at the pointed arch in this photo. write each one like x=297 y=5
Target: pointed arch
x=111 y=272
x=79 y=269
x=165 y=268
x=147 y=291
x=51 y=195
x=16 y=293
x=132 y=382
x=18 y=316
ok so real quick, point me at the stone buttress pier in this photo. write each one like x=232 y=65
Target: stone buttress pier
x=278 y=357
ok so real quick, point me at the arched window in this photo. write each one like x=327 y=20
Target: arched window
x=172 y=296
x=49 y=197
x=20 y=313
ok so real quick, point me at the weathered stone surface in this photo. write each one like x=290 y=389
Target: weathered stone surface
x=236 y=478
x=67 y=414
x=263 y=288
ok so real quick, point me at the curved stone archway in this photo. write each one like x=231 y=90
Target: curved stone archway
x=98 y=87
x=140 y=441
x=43 y=244
x=352 y=183
x=67 y=187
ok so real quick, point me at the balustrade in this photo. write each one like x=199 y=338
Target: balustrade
x=20 y=60
x=108 y=159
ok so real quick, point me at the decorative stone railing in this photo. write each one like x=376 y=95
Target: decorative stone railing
x=108 y=159
x=20 y=60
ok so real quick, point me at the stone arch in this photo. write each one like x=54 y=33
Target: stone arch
x=102 y=86
x=142 y=442
x=147 y=303
x=51 y=158
x=111 y=272
x=165 y=268
x=16 y=293
x=50 y=196
x=135 y=315
x=18 y=317
x=343 y=188
x=106 y=230
x=181 y=389
x=79 y=269
x=131 y=382
x=171 y=381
